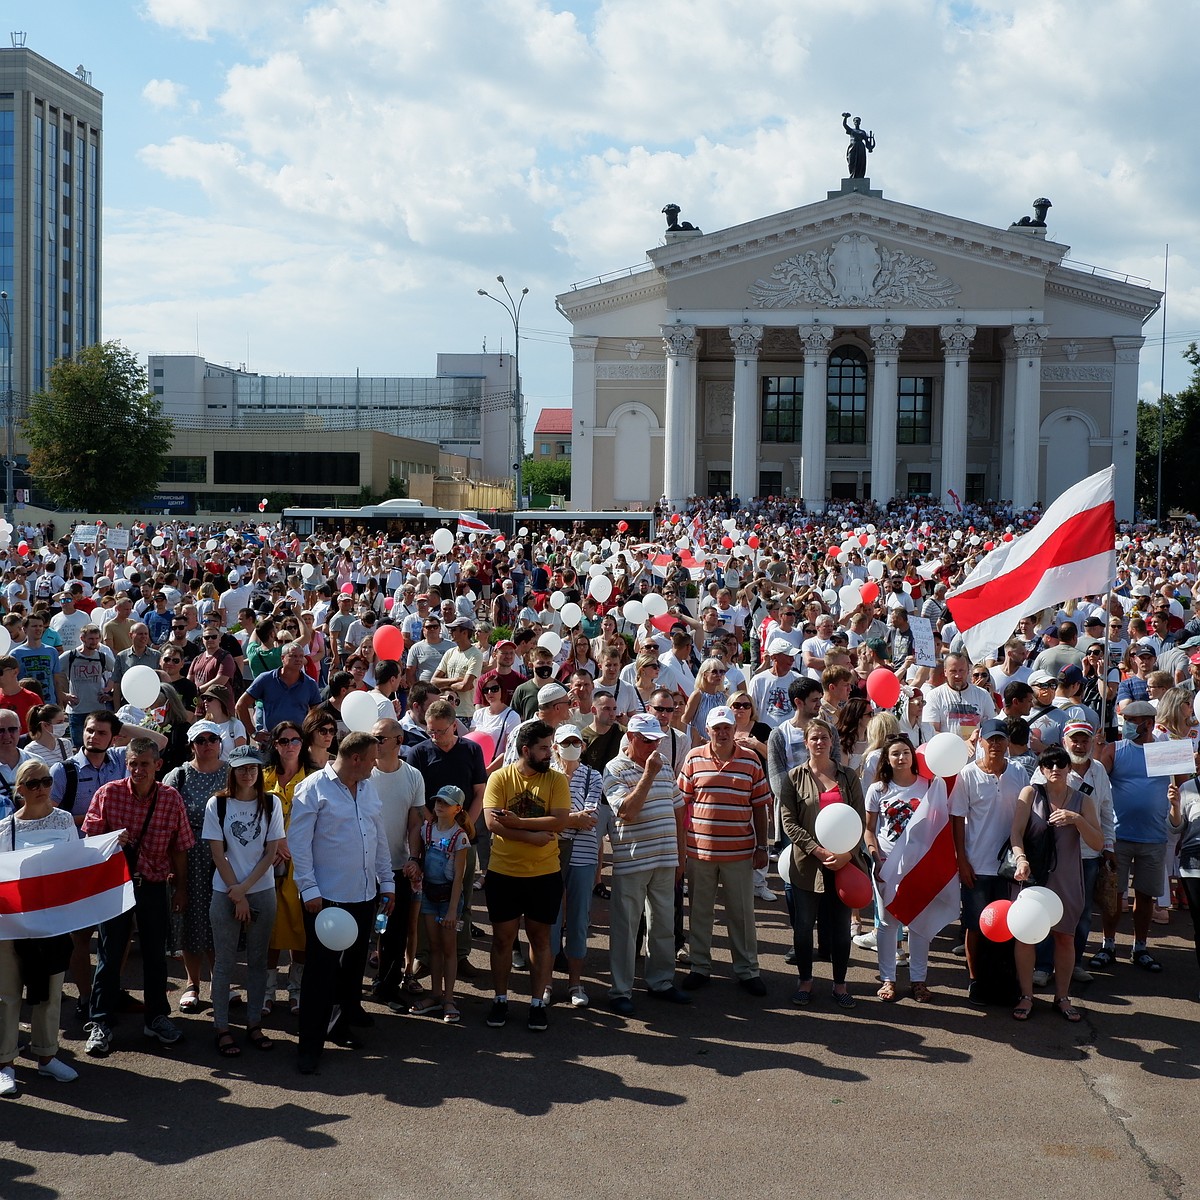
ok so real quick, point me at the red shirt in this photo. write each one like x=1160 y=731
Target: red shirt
x=114 y=806
x=20 y=703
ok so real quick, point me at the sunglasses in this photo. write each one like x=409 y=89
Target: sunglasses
x=492 y=687
x=40 y=782
x=205 y=739
x=329 y=729
x=739 y=707
x=13 y=729
x=210 y=637
x=660 y=708
x=286 y=741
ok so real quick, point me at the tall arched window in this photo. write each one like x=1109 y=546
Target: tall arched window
x=846 y=419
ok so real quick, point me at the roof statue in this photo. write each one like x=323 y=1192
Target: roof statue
x=861 y=144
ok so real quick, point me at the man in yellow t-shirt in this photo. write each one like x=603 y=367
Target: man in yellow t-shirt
x=525 y=807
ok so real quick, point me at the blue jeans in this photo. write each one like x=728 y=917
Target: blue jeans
x=154 y=925
x=579 y=881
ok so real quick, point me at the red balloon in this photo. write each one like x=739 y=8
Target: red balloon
x=623 y=526
x=853 y=886
x=388 y=603
x=883 y=687
x=727 y=542
x=863 y=538
x=752 y=542
x=389 y=643
x=989 y=546
x=22 y=548
x=922 y=766
x=1008 y=537
x=347 y=589
x=869 y=593
x=674 y=518
x=664 y=623
x=993 y=921
x=833 y=551
x=485 y=742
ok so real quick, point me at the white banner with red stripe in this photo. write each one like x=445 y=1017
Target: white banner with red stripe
x=1069 y=553
x=472 y=525
x=63 y=886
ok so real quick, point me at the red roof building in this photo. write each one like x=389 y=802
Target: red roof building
x=552 y=434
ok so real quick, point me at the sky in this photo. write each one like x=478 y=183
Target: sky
x=315 y=188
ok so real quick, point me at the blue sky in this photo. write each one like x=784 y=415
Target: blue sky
x=321 y=187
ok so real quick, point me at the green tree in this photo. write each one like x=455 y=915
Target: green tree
x=548 y=476
x=98 y=438
x=1180 y=436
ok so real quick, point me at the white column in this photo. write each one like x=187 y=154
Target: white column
x=583 y=418
x=679 y=453
x=1027 y=415
x=884 y=403
x=746 y=340
x=1124 y=420
x=956 y=348
x=816 y=339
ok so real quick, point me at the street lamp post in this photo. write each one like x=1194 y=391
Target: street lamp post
x=512 y=306
x=6 y=317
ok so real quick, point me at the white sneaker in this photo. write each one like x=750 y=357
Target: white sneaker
x=99 y=1040
x=579 y=998
x=547 y=997
x=867 y=941
x=58 y=1070
x=1081 y=974
x=764 y=893
x=1041 y=978
x=8 y=1081
x=902 y=958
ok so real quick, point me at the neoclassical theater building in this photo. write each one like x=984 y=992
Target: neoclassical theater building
x=854 y=348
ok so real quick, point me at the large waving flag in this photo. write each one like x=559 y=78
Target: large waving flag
x=468 y=524
x=1071 y=552
x=64 y=886
x=918 y=883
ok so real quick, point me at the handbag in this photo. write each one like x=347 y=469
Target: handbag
x=1107 y=898
x=1039 y=845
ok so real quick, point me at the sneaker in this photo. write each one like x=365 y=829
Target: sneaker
x=1042 y=978
x=975 y=994
x=902 y=958
x=547 y=997
x=8 y=1081
x=1081 y=975
x=498 y=1016
x=682 y=957
x=99 y=1039
x=960 y=951
x=867 y=941
x=579 y=997
x=538 y=1021
x=789 y=956
x=519 y=961
x=163 y=1028
x=764 y=893
x=58 y=1070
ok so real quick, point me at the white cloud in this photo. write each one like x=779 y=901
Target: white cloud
x=163 y=93
x=393 y=154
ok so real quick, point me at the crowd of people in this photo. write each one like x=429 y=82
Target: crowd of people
x=352 y=756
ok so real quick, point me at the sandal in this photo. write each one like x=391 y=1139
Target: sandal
x=1102 y=960
x=1067 y=1009
x=452 y=1016
x=412 y=985
x=887 y=993
x=267 y=1005
x=1024 y=1009
x=258 y=1039
x=226 y=1046
x=427 y=1009
x=920 y=993
x=189 y=1002
x=601 y=892
x=295 y=1005
x=1147 y=962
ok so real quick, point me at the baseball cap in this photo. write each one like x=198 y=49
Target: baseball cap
x=1070 y=675
x=551 y=693
x=1143 y=648
x=199 y=727
x=462 y=623
x=451 y=795
x=721 y=715
x=565 y=733
x=993 y=728
x=242 y=756
x=780 y=646
x=878 y=646
x=646 y=725
x=1077 y=727
x=1038 y=678
x=505 y=642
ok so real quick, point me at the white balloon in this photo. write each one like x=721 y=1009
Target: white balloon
x=850 y=596
x=605 y=544
x=557 y=600
x=829 y=596
x=435 y=578
x=875 y=569
x=550 y=641
x=1028 y=921
x=523 y=532
x=344 y=543
x=559 y=535
x=699 y=556
x=634 y=611
x=130 y=572
x=336 y=929
x=838 y=828
x=443 y=540
x=683 y=543
x=5 y=640
x=571 y=615
x=595 y=569
x=729 y=524
x=946 y=754
x=784 y=865
x=307 y=571
x=140 y=686
x=655 y=605
x=158 y=540
x=211 y=544
x=471 y=597
x=499 y=544
x=360 y=712
x=601 y=589
x=1048 y=900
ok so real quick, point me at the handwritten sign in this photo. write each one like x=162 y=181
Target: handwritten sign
x=922 y=636
x=1170 y=758
x=117 y=539
x=85 y=535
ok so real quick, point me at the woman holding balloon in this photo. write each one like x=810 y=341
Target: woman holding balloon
x=822 y=808
x=1057 y=810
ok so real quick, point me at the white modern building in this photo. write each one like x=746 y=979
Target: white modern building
x=854 y=348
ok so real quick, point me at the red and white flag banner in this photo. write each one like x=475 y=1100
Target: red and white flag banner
x=472 y=524
x=63 y=886
x=1069 y=553
x=918 y=883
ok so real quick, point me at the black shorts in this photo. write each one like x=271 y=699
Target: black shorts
x=511 y=897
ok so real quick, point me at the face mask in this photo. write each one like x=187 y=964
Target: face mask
x=1129 y=730
x=570 y=753
x=59 y=730
x=543 y=672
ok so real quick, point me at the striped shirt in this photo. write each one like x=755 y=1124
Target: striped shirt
x=723 y=797
x=650 y=840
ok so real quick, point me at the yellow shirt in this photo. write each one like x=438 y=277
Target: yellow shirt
x=545 y=795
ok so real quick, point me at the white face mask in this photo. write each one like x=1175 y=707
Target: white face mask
x=59 y=730
x=570 y=753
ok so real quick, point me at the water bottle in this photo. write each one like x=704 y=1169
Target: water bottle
x=380 y=921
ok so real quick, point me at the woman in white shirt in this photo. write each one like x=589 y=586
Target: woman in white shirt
x=48 y=741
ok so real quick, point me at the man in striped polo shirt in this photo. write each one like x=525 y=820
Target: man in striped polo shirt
x=648 y=851
x=726 y=842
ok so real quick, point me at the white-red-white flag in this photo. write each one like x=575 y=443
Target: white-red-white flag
x=472 y=524
x=918 y=883
x=1070 y=553
x=63 y=886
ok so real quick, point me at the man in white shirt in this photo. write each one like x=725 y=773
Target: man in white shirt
x=69 y=622
x=234 y=600
x=813 y=650
x=340 y=857
x=958 y=705
x=769 y=689
x=1013 y=666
